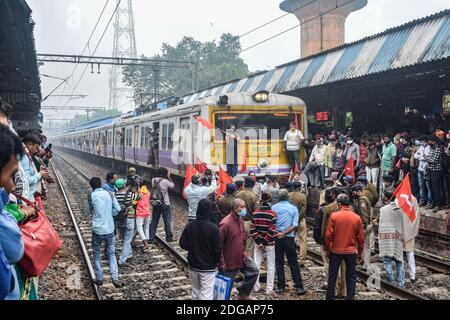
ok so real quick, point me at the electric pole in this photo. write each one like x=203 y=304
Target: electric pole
x=124 y=47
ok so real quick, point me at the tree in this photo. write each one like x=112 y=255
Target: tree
x=217 y=63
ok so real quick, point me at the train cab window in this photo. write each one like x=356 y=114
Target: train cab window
x=256 y=126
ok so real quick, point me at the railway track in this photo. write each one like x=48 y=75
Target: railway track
x=158 y=274
x=434 y=263
x=386 y=289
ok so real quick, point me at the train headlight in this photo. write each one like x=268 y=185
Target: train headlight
x=261 y=96
x=263 y=164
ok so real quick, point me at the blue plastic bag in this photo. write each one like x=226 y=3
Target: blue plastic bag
x=222 y=287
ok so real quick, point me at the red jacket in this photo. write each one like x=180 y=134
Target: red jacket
x=233 y=239
x=143 y=205
x=345 y=233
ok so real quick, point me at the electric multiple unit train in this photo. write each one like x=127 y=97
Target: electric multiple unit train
x=261 y=120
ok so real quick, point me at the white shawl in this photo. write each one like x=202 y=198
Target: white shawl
x=391 y=232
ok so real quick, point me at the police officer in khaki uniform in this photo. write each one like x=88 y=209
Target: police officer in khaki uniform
x=363 y=200
x=299 y=198
x=251 y=204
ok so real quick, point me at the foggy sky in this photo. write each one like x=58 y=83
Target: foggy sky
x=58 y=30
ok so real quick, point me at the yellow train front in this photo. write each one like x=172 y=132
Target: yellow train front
x=261 y=121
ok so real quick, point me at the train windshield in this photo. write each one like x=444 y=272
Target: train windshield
x=257 y=126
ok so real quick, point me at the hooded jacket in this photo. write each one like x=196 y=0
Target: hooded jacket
x=201 y=238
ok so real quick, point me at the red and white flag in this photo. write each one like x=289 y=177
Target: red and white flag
x=244 y=165
x=190 y=172
x=222 y=182
x=349 y=169
x=204 y=122
x=405 y=199
x=200 y=166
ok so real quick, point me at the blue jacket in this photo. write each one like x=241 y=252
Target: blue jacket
x=104 y=207
x=5 y=276
x=11 y=245
x=287 y=216
x=5 y=269
x=109 y=187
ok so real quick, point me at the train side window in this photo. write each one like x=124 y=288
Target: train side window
x=143 y=135
x=164 y=136
x=170 y=135
x=128 y=137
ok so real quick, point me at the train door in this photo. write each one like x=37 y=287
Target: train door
x=185 y=141
x=136 y=144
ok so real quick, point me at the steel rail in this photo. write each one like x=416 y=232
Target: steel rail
x=429 y=260
x=98 y=292
x=163 y=243
x=389 y=287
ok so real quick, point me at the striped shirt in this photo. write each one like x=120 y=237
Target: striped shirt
x=263 y=226
x=436 y=159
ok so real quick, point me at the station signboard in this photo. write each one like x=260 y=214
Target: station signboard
x=323 y=116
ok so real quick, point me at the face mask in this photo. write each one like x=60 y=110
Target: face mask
x=243 y=213
x=387 y=142
x=350 y=142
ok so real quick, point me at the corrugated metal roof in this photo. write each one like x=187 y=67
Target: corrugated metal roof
x=416 y=42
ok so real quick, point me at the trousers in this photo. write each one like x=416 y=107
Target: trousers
x=202 y=284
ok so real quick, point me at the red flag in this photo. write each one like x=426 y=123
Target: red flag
x=349 y=169
x=190 y=171
x=405 y=199
x=204 y=122
x=296 y=167
x=244 y=165
x=398 y=165
x=200 y=166
x=222 y=182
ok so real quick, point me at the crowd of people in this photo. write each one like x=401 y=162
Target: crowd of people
x=24 y=174
x=426 y=158
x=234 y=226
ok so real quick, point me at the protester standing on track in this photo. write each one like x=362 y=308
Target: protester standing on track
x=201 y=238
x=103 y=206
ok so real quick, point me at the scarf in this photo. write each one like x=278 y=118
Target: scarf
x=391 y=232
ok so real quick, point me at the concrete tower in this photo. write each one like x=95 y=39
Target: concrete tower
x=322 y=22
x=125 y=47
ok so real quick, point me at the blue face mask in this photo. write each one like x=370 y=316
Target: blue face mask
x=243 y=213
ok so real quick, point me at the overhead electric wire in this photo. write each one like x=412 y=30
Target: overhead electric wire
x=294 y=27
x=85 y=47
x=276 y=19
x=96 y=47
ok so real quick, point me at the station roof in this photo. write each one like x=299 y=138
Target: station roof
x=19 y=77
x=419 y=41
x=94 y=124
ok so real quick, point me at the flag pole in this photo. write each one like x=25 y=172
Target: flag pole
x=399 y=186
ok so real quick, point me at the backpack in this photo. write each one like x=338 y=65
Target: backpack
x=157 y=196
x=317 y=228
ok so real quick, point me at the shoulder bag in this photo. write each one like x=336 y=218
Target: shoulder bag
x=41 y=242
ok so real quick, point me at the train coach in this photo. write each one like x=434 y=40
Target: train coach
x=261 y=120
